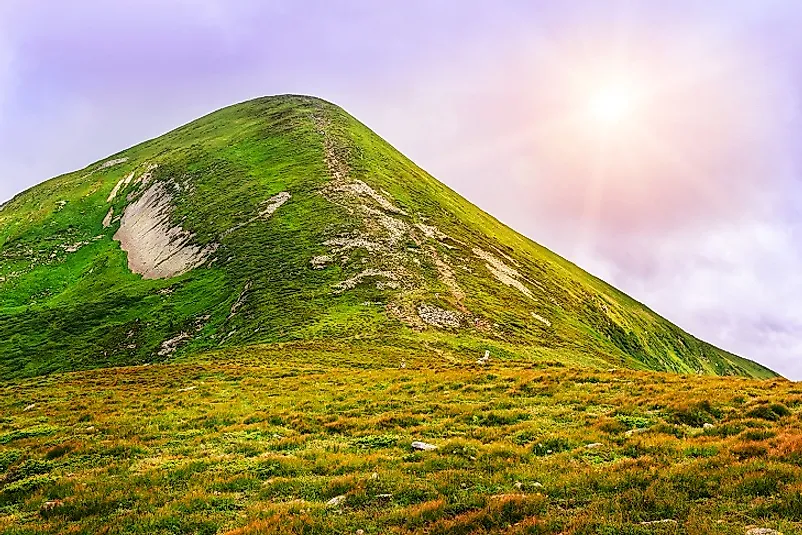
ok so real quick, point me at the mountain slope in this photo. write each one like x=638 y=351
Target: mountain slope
x=284 y=219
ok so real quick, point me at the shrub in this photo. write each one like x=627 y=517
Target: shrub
x=59 y=451
x=499 y=418
x=31 y=432
x=757 y=435
x=695 y=414
x=611 y=426
x=7 y=458
x=725 y=430
x=375 y=441
x=634 y=422
x=772 y=412
x=749 y=450
x=18 y=490
x=31 y=467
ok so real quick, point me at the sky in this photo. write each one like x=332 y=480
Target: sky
x=655 y=144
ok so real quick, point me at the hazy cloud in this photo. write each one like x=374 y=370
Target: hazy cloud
x=695 y=212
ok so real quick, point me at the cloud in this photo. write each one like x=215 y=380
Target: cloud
x=7 y=59
x=695 y=212
x=737 y=284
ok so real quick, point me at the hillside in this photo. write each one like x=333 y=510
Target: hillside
x=285 y=220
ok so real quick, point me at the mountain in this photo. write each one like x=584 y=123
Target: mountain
x=284 y=220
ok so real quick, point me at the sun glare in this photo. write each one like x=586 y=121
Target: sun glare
x=612 y=105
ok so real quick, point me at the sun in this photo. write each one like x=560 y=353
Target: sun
x=613 y=104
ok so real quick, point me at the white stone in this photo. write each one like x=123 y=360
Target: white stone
x=336 y=501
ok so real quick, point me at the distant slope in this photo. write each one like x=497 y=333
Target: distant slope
x=284 y=219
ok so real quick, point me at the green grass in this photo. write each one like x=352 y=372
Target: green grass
x=63 y=311
x=259 y=440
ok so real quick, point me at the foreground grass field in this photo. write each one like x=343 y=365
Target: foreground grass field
x=318 y=440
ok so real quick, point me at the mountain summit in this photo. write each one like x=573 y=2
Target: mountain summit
x=285 y=220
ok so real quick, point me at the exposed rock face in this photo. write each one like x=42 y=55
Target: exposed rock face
x=387 y=280
x=270 y=206
x=157 y=249
x=274 y=203
x=357 y=188
x=320 y=262
x=107 y=220
x=241 y=300
x=381 y=228
x=502 y=272
x=437 y=317
x=541 y=319
x=124 y=181
x=112 y=163
x=170 y=346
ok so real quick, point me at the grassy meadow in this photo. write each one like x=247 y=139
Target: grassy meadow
x=312 y=438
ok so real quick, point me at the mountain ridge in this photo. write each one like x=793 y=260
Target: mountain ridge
x=284 y=219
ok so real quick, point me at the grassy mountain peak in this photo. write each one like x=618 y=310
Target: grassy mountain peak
x=284 y=220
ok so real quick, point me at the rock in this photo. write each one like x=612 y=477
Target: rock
x=708 y=426
x=438 y=317
x=110 y=163
x=369 y=273
x=537 y=485
x=321 y=262
x=423 y=446
x=360 y=532
x=638 y=431
x=274 y=203
x=519 y=485
x=336 y=501
x=503 y=273
x=30 y=407
x=594 y=446
x=541 y=319
x=108 y=219
x=156 y=248
x=763 y=531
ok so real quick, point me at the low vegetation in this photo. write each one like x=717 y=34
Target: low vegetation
x=316 y=439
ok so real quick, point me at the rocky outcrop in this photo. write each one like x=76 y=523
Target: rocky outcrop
x=156 y=248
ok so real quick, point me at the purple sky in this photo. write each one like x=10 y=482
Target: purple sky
x=696 y=211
